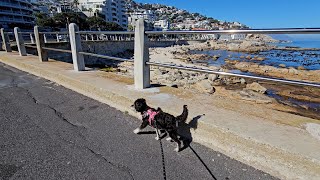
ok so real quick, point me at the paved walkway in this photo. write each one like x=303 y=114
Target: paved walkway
x=245 y=131
x=50 y=132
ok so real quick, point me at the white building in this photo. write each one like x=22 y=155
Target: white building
x=147 y=15
x=112 y=10
x=17 y=13
x=228 y=37
x=162 y=25
x=238 y=36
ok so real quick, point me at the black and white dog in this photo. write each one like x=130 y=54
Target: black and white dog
x=160 y=120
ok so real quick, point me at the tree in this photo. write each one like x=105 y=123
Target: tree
x=43 y=20
x=62 y=20
x=76 y=3
x=90 y=11
x=98 y=23
x=97 y=12
x=130 y=27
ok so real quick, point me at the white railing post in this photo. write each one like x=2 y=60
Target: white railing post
x=57 y=37
x=75 y=42
x=42 y=54
x=31 y=38
x=5 y=41
x=20 y=42
x=141 y=56
x=45 y=38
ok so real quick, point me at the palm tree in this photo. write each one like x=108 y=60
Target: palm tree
x=76 y=3
x=90 y=10
x=97 y=12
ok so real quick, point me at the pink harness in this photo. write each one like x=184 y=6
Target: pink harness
x=151 y=114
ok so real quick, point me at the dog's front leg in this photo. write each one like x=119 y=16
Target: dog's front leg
x=157 y=132
x=142 y=126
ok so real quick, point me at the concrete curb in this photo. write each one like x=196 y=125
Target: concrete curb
x=274 y=160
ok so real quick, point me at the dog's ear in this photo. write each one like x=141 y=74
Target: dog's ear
x=143 y=100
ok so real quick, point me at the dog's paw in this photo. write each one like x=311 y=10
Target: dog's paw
x=157 y=138
x=169 y=139
x=177 y=149
x=136 y=131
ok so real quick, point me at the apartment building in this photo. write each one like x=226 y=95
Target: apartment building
x=147 y=15
x=111 y=10
x=16 y=13
x=161 y=25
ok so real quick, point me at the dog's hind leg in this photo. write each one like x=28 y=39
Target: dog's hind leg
x=174 y=137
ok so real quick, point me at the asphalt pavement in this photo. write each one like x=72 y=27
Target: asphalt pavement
x=50 y=132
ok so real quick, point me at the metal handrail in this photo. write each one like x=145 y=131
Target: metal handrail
x=106 y=57
x=59 y=50
x=30 y=46
x=105 y=32
x=62 y=32
x=246 y=31
x=202 y=70
x=26 y=32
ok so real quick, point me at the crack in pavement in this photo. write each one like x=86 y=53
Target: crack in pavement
x=121 y=167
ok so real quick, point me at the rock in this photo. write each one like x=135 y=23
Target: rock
x=213 y=77
x=260 y=58
x=282 y=65
x=242 y=81
x=256 y=87
x=250 y=95
x=173 y=85
x=301 y=68
x=157 y=72
x=293 y=71
x=205 y=86
x=313 y=129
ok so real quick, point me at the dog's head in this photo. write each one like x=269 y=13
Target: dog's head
x=140 y=105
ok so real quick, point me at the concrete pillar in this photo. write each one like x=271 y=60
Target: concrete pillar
x=5 y=41
x=42 y=54
x=141 y=56
x=75 y=42
x=20 y=42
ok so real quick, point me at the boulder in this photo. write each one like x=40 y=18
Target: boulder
x=293 y=71
x=205 y=86
x=213 y=77
x=250 y=95
x=256 y=87
x=282 y=65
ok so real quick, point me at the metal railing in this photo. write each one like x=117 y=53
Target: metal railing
x=141 y=50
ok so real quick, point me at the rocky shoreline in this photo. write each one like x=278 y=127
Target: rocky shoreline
x=233 y=87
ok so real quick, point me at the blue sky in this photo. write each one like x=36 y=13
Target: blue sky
x=255 y=13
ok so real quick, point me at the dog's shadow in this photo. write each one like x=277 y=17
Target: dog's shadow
x=184 y=130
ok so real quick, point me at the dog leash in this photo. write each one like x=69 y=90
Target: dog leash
x=161 y=147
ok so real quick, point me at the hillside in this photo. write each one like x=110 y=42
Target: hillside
x=181 y=19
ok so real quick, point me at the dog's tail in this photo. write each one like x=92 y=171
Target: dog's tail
x=183 y=117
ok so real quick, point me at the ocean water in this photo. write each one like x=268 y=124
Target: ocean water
x=302 y=44
x=308 y=59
